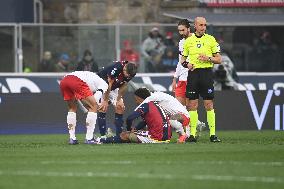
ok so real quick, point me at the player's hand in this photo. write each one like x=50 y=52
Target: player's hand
x=190 y=66
x=174 y=83
x=103 y=106
x=203 y=57
x=120 y=105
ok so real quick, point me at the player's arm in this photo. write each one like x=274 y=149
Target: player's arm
x=144 y=108
x=121 y=91
x=184 y=56
x=104 y=105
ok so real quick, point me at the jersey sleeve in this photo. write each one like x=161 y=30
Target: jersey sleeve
x=115 y=70
x=140 y=111
x=215 y=47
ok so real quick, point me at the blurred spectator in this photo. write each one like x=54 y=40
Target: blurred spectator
x=62 y=65
x=169 y=60
x=46 y=64
x=70 y=13
x=152 y=50
x=87 y=63
x=128 y=53
x=225 y=74
x=73 y=62
x=265 y=55
x=169 y=41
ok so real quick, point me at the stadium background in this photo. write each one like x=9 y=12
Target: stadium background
x=250 y=119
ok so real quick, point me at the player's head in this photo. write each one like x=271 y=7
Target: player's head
x=200 y=25
x=141 y=94
x=184 y=28
x=130 y=69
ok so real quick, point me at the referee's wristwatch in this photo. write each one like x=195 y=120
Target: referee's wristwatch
x=210 y=59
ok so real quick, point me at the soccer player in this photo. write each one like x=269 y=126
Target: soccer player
x=80 y=86
x=181 y=72
x=117 y=76
x=178 y=115
x=154 y=117
x=204 y=52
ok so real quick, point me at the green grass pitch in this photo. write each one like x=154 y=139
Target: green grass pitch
x=244 y=159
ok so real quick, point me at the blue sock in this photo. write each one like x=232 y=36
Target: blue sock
x=102 y=123
x=113 y=139
x=118 y=121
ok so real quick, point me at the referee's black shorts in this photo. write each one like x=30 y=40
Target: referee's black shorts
x=200 y=82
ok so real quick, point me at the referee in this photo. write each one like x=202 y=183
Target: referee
x=203 y=52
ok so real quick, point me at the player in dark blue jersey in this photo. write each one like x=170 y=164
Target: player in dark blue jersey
x=153 y=116
x=117 y=76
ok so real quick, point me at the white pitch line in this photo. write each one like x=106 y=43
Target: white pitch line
x=131 y=162
x=144 y=176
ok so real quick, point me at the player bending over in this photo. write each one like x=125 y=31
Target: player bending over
x=80 y=86
x=117 y=76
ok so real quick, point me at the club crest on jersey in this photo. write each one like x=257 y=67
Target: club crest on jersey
x=198 y=45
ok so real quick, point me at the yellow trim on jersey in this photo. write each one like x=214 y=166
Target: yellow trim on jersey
x=194 y=46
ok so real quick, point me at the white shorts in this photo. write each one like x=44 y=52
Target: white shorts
x=144 y=137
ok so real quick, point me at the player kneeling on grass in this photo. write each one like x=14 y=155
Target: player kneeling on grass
x=178 y=115
x=154 y=117
x=80 y=86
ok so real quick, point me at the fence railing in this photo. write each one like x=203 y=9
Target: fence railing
x=23 y=46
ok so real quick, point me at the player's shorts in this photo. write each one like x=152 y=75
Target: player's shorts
x=144 y=137
x=74 y=88
x=200 y=82
x=180 y=89
x=113 y=96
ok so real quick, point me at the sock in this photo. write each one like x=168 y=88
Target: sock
x=102 y=123
x=193 y=122
x=118 y=121
x=177 y=126
x=187 y=130
x=113 y=139
x=71 y=122
x=211 y=121
x=90 y=125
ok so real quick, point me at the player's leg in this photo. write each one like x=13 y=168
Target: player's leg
x=118 y=119
x=66 y=87
x=122 y=138
x=119 y=110
x=180 y=92
x=176 y=122
x=72 y=120
x=207 y=93
x=91 y=118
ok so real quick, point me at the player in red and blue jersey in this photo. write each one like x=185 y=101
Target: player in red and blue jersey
x=153 y=116
x=117 y=76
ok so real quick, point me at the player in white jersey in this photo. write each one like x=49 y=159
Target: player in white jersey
x=181 y=72
x=88 y=88
x=178 y=115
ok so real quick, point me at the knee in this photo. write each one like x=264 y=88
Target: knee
x=124 y=136
x=192 y=106
x=119 y=109
x=208 y=105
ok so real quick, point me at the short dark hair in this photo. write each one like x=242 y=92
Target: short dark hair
x=184 y=22
x=142 y=93
x=131 y=69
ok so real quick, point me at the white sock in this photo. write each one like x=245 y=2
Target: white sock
x=71 y=122
x=187 y=130
x=177 y=126
x=90 y=124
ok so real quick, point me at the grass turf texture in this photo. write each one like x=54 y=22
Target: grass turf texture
x=244 y=159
